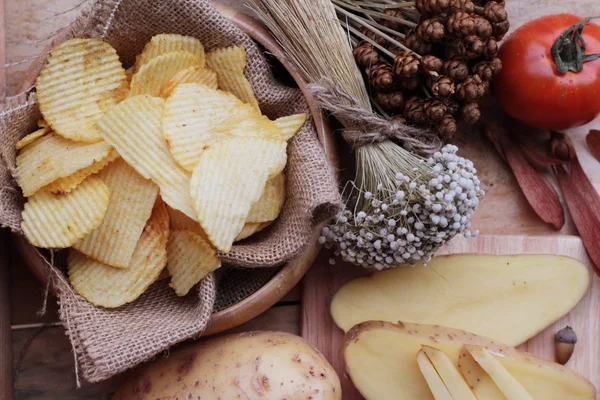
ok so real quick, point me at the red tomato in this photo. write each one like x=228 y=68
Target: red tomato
x=530 y=87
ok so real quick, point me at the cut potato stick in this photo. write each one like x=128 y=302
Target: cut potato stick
x=435 y=383
x=479 y=381
x=453 y=380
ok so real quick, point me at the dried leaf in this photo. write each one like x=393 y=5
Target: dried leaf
x=545 y=160
x=593 y=142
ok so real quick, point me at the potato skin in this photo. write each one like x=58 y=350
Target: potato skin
x=248 y=366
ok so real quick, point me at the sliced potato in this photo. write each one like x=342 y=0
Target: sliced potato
x=455 y=383
x=181 y=222
x=290 y=125
x=250 y=228
x=32 y=137
x=268 y=207
x=435 y=383
x=479 y=381
x=168 y=43
x=200 y=75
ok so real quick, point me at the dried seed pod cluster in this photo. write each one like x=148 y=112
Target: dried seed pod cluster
x=445 y=64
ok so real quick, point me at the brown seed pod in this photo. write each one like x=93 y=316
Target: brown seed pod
x=432 y=7
x=491 y=49
x=474 y=46
x=496 y=65
x=431 y=65
x=408 y=84
x=392 y=12
x=470 y=113
x=451 y=104
x=414 y=110
x=455 y=48
x=500 y=29
x=471 y=90
x=460 y=24
x=434 y=109
x=442 y=86
x=494 y=12
x=431 y=30
x=483 y=27
x=564 y=342
x=484 y=70
x=456 y=69
x=372 y=35
x=447 y=128
x=390 y=101
x=365 y=54
x=381 y=77
x=406 y=64
x=416 y=43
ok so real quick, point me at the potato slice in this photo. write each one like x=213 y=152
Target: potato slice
x=181 y=222
x=131 y=201
x=380 y=360
x=455 y=383
x=168 y=43
x=200 y=75
x=52 y=157
x=106 y=286
x=268 y=207
x=82 y=80
x=435 y=383
x=290 y=125
x=507 y=298
x=59 y=221
x=229 y=64
x=479 y=381
x=511 y=387
x=189 y=259
x=32 y=137
x=134 y=128
x=229 y=178
x=250 y=228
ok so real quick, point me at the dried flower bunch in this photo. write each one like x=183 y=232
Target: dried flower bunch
x=428 y=61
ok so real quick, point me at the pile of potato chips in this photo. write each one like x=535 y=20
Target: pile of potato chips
x=160 y=165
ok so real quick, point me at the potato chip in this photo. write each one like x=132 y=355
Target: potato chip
x=32 y=137
x=268 y=207
x=290 y=125
x=181 y=222
x=59 y=221
x=52 y=157
x=250 y=228
x=229 y=178
x=189 y=260
x=68 y=183
x=106 y=286
x=201 y=75
x=131 y=201
x=133 y=127
x=129 y=74
x=196 y=116
x=42 y=123
x=156 y=73
x=229 y=64
x=168 y=43
x=82 y=79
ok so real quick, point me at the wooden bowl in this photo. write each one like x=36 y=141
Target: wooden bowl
x=291 y=273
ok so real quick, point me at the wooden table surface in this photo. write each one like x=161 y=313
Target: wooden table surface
x=42 y=357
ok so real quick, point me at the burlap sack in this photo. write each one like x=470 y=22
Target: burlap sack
x=107 y=342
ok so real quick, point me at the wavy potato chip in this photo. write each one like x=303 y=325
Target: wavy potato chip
x=132 y=198
x=196 y=116
x=59 y=221
x=32 y=137
x=201 y=75
x=181 y=222
x=52 y=157
x=250 y=228
x=106 y=286
x=268 y=207
x=168 y=43
x=290 y=125
x=156 y=73
x=229 y=64
x=229 y=178
x=133 y=127
x=82 y=79
x=68 y=183
x=189 y=260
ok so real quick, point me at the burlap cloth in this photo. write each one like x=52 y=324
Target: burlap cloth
x=107 y=342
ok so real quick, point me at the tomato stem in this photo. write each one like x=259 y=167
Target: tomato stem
x=568 y=51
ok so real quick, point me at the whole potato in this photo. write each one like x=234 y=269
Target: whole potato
x=252 y=365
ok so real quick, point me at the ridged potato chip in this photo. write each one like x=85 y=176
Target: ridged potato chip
x=250 y=228
x=268 y=207
x=133 y=127
x=82 y=79
x=52 y=157
x=196 y=116
x=229 y=178
x=32 y=137
x=132 y=198
x=181 y=222
x=168 y=43
x=156 y=73
x=59 y=221
x=106 y=286
x=229 y=64
x=189 y=260
x=201 y=75
x=290 y=125
x=68 y=183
